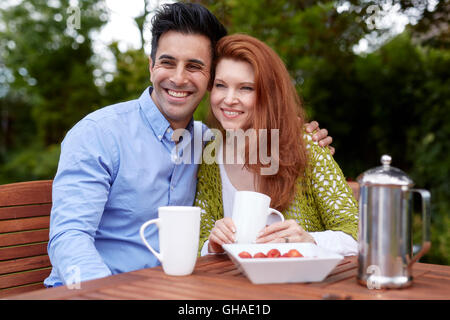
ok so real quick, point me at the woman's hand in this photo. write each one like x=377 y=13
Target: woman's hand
x=222 y=233
x=286 y=231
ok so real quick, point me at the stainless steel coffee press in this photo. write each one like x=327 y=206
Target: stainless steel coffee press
x=385 y=227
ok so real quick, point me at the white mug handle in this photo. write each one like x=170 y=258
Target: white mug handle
x=271 y=210
x=141 y=232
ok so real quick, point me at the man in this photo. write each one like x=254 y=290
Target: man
x=116 y=169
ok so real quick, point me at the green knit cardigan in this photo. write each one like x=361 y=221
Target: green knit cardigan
x=324 y=200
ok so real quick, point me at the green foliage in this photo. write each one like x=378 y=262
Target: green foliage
x=47 y=84
x=201 y=113
x=51 y=62
x=429 y=143
x=33 y=163
x=131 y=77
x=17 y=126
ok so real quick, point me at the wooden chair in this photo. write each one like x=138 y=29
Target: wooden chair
x=24 y=230
x=355 y=188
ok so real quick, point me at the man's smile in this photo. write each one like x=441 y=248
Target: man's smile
x=177 y=94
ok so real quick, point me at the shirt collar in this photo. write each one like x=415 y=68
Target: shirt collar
x=155 y=118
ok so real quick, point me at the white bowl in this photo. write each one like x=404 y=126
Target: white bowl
x=314 y=266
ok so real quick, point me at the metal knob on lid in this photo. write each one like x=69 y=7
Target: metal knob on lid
x=385 y=175
x=386 y=160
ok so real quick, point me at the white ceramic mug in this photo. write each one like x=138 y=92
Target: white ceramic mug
x=179 y=231
x=251 y=211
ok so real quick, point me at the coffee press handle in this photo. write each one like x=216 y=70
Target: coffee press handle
x=141 y=233
x=426 y=243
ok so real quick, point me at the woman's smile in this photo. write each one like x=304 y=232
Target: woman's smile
x=231 y=114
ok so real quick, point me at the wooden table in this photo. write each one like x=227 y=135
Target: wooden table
x=216 y=278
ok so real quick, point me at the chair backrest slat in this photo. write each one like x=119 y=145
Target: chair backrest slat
x=4 y=293
x=25 y=193
x=15 y=212
x=24 y=227
x=355 y=188
x=18 y=238
x=22 y=278
x=29 y=250
x=18 y=265
x=15 y=225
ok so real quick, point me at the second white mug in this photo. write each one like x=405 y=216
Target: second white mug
x=179 y=231
x=251 y=211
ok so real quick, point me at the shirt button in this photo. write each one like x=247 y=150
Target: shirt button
x=171 y=188
x=175 y=159
x=160 y=137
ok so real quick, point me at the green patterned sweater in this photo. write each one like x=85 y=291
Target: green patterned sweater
x=324 y=200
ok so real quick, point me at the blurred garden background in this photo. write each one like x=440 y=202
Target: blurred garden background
x=376 y=74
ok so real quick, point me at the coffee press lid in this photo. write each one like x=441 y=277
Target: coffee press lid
x=385 y=175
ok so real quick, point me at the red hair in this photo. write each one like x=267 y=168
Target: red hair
x=278 y=106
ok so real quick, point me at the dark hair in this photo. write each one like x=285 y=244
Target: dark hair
x=188 y=18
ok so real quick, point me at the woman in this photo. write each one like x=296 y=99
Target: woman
x=252 y=89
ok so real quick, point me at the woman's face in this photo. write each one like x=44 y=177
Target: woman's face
x=233 y=95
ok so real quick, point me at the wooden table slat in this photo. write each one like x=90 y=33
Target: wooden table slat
x=122 y=293
x=216 y=277
x=194 y=288
x=94 y=296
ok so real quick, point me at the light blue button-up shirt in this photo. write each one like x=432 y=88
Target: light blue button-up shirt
x=116 y=168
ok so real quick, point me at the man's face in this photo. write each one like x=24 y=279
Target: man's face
x=180 y=75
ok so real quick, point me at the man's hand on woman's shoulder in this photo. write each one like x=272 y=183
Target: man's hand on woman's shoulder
x=320 y=135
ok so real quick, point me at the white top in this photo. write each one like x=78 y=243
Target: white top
x=336 y=241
